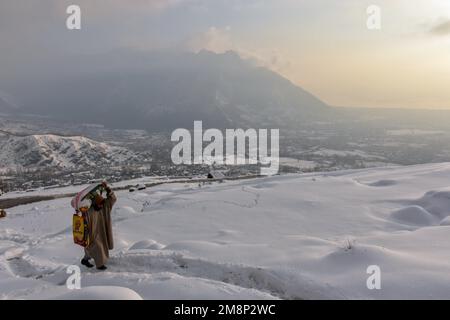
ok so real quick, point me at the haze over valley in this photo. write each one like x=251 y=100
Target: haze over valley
x=128 y=113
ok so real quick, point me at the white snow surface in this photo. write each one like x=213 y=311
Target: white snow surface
x=309 y=236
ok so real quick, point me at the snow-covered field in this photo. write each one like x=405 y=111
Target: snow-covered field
x=308 y=236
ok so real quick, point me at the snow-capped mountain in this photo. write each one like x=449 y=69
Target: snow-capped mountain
x=35 y=151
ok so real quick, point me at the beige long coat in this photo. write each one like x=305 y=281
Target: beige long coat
x=101 y=236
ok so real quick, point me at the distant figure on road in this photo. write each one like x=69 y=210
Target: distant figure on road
x=100 y=229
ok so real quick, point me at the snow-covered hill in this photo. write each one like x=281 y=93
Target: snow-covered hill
x=295 y=236
x=35 y=151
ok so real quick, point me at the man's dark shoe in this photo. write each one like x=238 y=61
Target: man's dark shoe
x=85 y=262
x=102 y=268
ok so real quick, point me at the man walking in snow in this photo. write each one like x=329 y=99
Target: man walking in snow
x=100 y=230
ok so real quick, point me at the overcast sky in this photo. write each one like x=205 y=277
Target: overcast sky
x=323 y=45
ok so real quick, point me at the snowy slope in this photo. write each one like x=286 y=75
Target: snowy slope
x=306 y=236
x=58 y=151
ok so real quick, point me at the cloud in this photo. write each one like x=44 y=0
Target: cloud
x=221 y=40
x=214 y=39
x=441 y=29
x=28 y=26
x=94 y=7
x=35 y=16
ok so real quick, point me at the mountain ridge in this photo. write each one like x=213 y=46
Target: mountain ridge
x=160 y=92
